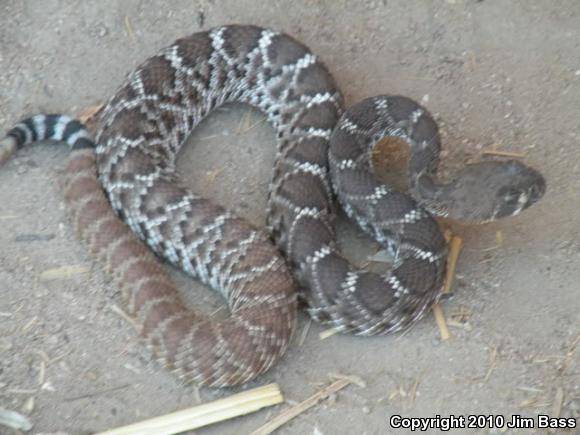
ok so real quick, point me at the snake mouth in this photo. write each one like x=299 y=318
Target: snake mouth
x=532 y=195
x=537 y=190
x=529 y=188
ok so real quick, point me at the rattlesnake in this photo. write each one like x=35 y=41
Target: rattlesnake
x=139 y=133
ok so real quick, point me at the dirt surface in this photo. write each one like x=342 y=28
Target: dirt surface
x=495 y=74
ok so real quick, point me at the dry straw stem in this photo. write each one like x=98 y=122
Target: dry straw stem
x=203 y=415
x=557 y=406
x=88 y=114
x=7 y=148
x=63 y=272
x=290 y=413
x=455 y=245
x=305 y=332
x=327 y=333
x=504 y=154
x=492 y=363
x=441 y=322
x=129 y=28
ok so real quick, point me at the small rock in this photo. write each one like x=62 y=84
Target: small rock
x=47 y=386
x=28 y=405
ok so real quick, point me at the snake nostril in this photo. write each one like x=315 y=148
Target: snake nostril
x=536 y=192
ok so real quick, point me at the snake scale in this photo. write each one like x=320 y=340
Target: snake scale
x=322 y=151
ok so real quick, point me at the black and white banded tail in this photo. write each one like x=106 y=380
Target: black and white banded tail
x=45 y=127
x=51 y=127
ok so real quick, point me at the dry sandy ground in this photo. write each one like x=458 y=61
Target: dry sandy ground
x=503 y=74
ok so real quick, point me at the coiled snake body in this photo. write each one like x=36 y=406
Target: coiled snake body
x=321 y=150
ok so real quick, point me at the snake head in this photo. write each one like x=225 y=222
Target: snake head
x=492 y=190
x=519 y=188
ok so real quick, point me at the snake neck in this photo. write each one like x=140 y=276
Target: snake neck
x=481 y=192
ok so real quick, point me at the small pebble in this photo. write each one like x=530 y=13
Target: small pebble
x=102 y=32
x=28 y=405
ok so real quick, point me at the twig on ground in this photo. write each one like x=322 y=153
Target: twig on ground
x=291 y=413
x=203 y=415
